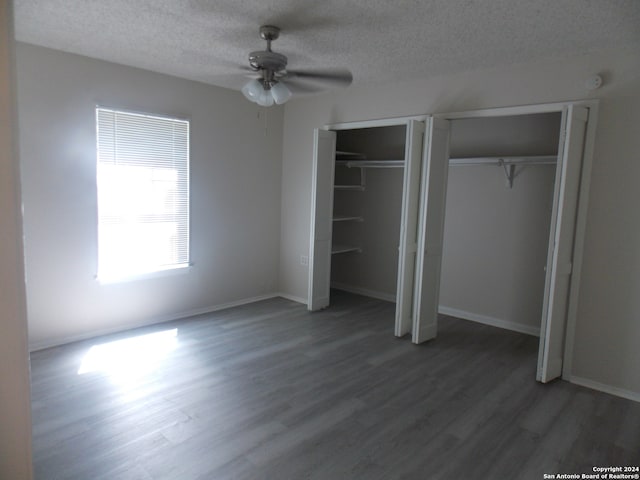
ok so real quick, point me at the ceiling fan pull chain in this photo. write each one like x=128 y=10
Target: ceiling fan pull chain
x=266 y=122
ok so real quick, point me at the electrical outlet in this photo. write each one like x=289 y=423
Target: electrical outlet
x=304 y=260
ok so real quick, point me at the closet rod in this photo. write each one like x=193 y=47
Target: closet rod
x=525 y=160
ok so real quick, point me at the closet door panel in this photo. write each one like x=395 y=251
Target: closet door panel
x=431 y=230
x=324 y=153
x=561 y=242
x=408 y=226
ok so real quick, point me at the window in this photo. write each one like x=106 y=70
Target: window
x=143 y=193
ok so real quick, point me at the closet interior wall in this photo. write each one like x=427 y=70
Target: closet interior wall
x=495 y=236
x=373 y=269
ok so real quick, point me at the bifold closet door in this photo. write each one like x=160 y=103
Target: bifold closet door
x=561 y=241
x=408 y=225
x=324 y=159
x=431 y=230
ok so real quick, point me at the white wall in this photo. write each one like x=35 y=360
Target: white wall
x=496 y=237
x=495 y=245
x=608 y=330
x=235 y=195
x=15 y=404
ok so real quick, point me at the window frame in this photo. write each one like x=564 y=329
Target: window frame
x=169 y=270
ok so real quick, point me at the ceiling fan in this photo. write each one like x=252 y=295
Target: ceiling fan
x=275 y=83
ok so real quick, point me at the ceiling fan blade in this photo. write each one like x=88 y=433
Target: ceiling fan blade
x=332 y=77
x=301 y=86
x=234 y=80
x=245 y=70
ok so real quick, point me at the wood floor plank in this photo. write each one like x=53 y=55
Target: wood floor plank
x=271 y=391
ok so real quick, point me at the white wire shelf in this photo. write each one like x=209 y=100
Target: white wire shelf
x=349 y=187
x=347 y=218
x=371 y=163
x=522 y=160
x=336 y=249
x=342 y=155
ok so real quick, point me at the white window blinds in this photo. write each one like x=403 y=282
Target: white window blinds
x=143 y=193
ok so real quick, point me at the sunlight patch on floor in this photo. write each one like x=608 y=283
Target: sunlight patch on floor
x=128 y=361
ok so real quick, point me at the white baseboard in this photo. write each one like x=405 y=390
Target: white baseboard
x=293 y=298
x=454 y=312
x=494 y=322
x=364 y=291
x=148 y=322
x=603 y=387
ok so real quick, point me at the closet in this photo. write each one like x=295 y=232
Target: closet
x=367 y=203
x=499 y=202
x=364 y=207
x=509 y=252
x=566 y=225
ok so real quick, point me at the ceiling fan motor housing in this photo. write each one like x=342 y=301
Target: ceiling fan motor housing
x=265 y=60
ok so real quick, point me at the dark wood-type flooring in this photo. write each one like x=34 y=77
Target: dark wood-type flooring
x=270 y=391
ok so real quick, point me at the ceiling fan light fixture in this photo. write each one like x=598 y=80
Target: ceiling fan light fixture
x=253 y=89
x=265 y=99
x=258 y=91
x=280 y=93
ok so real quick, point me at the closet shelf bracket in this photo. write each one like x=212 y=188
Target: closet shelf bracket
x=509 y=172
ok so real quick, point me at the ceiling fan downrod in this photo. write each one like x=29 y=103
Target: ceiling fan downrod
x=268 y=59
x=269 y=33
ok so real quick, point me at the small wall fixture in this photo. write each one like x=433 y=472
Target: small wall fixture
x=593 y=83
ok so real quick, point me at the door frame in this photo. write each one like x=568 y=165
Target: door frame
x=583 y=199
x=379 y=122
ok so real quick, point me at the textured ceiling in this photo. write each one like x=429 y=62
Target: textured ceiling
x=378 y=40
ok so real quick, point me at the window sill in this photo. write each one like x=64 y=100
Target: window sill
x=166 y=272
